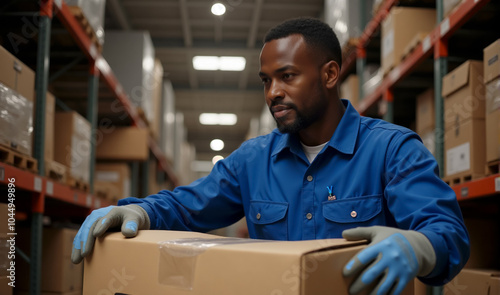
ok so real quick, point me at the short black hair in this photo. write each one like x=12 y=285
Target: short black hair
x=317 y=35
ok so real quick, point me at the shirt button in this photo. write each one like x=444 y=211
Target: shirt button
x=309 y=216
x=309 y=178
x=258 y=216
x=354 y=214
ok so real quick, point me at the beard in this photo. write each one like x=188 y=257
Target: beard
x=305 y=118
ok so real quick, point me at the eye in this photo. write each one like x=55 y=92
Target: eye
x=264 y=80
x=287 y=76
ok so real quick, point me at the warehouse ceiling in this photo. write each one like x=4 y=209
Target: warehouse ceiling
x=181 y=29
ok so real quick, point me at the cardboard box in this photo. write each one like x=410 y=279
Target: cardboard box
x=16 y=120
x=157 y=97
x=115 y=177
x=123 y=143
x=58 y=273
x=465 y=151
x=491 y=62
x=5 y=289
x=493 y=120
x=16 y=75
x=349 y=89
x=400 y=26
x=94 y=13
x=464 y=94
x=474 y=282
x=194 y=263
x=425 y=116
x=429 y=139
x=4 y=217
x=72 y=144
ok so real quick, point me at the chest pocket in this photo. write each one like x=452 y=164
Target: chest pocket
x=352 y=212
x=269 y=219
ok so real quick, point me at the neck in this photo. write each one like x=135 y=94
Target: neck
x=323 y=130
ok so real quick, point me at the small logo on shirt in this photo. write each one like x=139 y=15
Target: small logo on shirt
x=331 y=196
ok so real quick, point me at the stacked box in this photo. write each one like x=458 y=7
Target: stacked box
x=349 y=89
x=72 y=145
x=464 y=120
x=154 y=125
x=474 y=282
x=492 y=81
x=344 y=17
x=94 y=13
x=50 y=108
x=399 y=28
x=16 y=120
x=133 y=67
x=58 y=273
x=113 y=178
x=123 y=144
x=425 y=119
x=16 y=75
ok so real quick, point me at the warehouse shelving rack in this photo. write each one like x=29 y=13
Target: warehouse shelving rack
x=435 y=45
x=44 y=190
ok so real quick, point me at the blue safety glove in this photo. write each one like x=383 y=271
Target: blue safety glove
x=130 y=218
x=392 y=259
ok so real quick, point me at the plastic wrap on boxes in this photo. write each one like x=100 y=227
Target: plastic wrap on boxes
x=94 y=12
x=16 y=120
x=178 y=258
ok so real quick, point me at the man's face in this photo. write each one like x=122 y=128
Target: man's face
x=293 y=87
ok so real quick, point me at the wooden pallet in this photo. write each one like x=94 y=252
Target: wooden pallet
x=462 y=178
x=77 y=184
x=493 y=167
x=87 y=28
x=55 y=171
x=17 y=159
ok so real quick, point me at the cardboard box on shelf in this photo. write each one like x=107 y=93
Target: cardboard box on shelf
x=123 y=143
x=157 y=95
x=115 y=177
x=16 y=120
x=72 y=144
x=4 y=222
x=94 y=13
x=493 y=120
x=465 y=151
x=491 y=61
x=400 y=26
x=474 y=282
x=349 y=89
x=425 y=116
x=429 y=139
x=173 y=262
x=464 y=94
x=16 y=75
x=58 y=273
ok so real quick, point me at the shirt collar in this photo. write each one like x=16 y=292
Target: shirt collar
x=343 y=139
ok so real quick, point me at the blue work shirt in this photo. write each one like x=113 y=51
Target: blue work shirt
x=370 y=173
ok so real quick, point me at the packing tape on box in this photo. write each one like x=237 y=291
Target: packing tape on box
x=178 y=258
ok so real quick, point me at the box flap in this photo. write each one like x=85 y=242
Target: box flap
x=491 y=61
x=456 y=79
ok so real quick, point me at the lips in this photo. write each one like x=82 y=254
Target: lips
x=280 y=111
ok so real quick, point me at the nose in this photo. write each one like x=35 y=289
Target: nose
x=275 y=91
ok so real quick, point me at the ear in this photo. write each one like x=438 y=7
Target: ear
x=331 y=73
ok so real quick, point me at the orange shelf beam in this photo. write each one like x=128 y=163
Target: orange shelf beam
x=483 y=187
x=48 y=188
x=442 y=31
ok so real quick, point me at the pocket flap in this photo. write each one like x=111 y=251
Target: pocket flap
x=352 y=210
x=265 y=212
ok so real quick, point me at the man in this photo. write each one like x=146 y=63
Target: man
x=326 y=172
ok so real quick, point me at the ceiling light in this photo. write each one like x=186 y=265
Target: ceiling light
x=223 y=63
x=216 y=145
x=218 y=119
x=217 y=158
x=218 y=9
